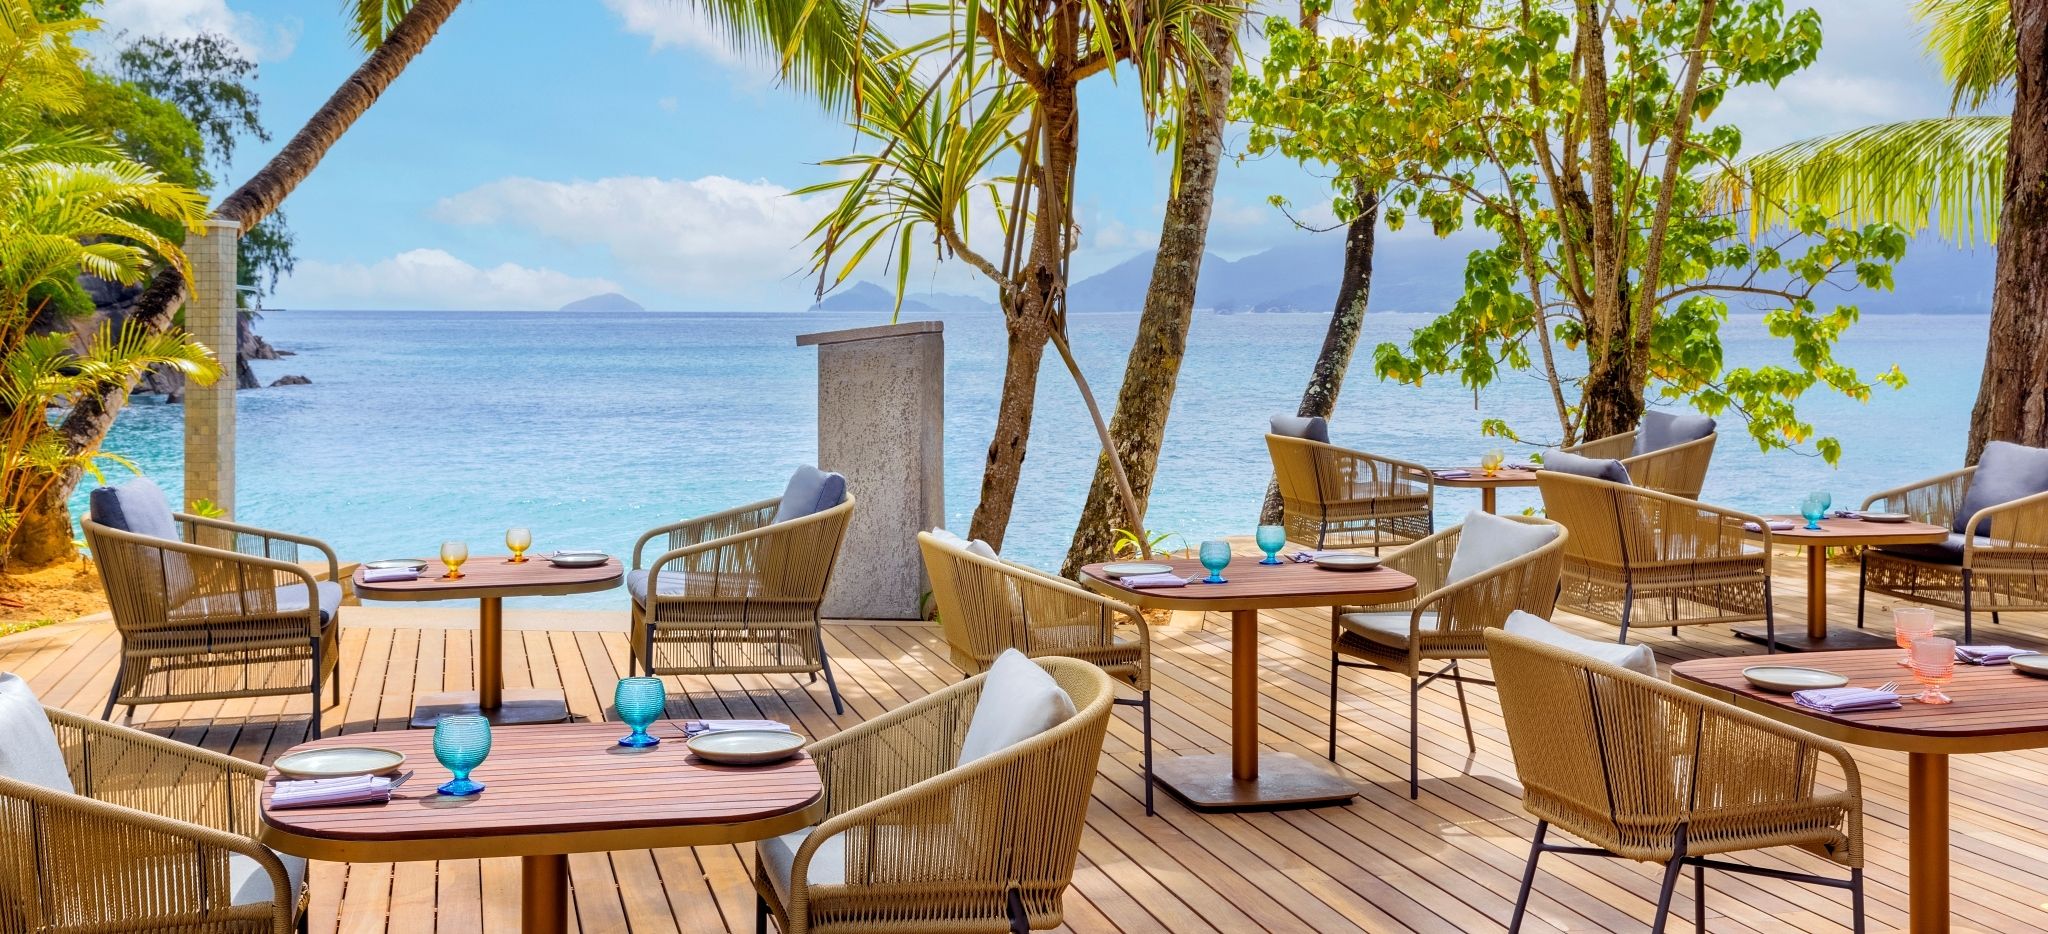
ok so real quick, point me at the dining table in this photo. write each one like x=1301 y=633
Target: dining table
x=1249 y=778
x=1488 y=484
x=1996 y=708
x=1834 y=532
x=549 y=791
x=489 y=580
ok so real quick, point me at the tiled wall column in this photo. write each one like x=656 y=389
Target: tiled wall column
x=210 y=410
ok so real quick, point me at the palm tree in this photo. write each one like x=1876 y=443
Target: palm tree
x=70 y=202
x=1970 y=177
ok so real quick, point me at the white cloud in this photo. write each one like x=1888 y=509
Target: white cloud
x=430 y=279
x=709 y=236
x=180 y=19
x=675 y=24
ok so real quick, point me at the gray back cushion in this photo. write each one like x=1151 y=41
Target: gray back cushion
x=138 y=506
x=1660 y=430
x=2005 y=472
x=810 y=490
x=1310 y=427
x=1595 y=467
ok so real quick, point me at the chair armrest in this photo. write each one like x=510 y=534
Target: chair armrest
x=1612 y=447
x=1934 y=500
x=1428 y=561
x=1679 y=529
x=899 y=749
x=790 y=559
x=1485 y=599
x=267 y=537
x=708 y=527
x=1057 y=603
x=2017 y=527
x=220 y=578
x=128 y=767
x=1753 y=762
x=127 y=848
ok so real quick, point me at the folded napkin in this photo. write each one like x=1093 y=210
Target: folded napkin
x=1845 y=514
x=1452 y=474
x=1777 y=525
x=1523 y=466
x=1988 y=654
x=387 y=575
x=1154 y=580
x=1843 y=700
x=700 y=727
x=321 y=792
x=1309 y=557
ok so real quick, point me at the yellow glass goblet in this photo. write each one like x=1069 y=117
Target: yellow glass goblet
x=1490 y=462
x=453 y=553
x=518 y=540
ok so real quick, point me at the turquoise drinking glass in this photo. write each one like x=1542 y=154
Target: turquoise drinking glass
x=1271 y=539
x=1814 y=508
x=1215 y=557
x=460 y=743
x=640 y=702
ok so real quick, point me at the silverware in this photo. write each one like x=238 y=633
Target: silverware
x=1892 y=686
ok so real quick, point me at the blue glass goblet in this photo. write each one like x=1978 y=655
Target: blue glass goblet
x=1271 y=539
x=640 y=701
x=1215 y=557
x=460 y=743
x=1814 y=508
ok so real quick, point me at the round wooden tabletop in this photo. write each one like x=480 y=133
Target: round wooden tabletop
x=1835 y=533
x=562 y=788
x=1255 y=586
x=495 y=576
x=1504 y=477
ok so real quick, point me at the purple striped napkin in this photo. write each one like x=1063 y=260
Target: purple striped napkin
x=1452 y=474
x=320 y=792
x=1843 y=700
x=1153 y=580
x=1988 y=654
x=1777 y=525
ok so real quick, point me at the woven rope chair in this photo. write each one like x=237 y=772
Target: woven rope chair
x=152 y=841
x=986 y=606
x=226 y=612
x=988 y=846
x=1641 y=557
x=1444 y=624
x=737 y=592
x=1648 y=771
x=2006 y=569
x=1338 y=498
x=1680 y=470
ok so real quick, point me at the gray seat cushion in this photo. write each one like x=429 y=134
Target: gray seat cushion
x=1595 y=467
x=291 y=598
x=1660 y=430
x=828 y=864
x=138 y=506
x=1949 y=552
x=1307 y=427
x=672 y=582
x=1386 y=629
x=251 y=882
x=2005 y=472
x=810 y=490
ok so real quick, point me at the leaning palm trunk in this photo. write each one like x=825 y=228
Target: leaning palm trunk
x=2012 y=401
x=92 y=416
x=1130 y=457
x=1319 y=398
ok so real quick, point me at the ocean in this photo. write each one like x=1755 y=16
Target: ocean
x=591 y=428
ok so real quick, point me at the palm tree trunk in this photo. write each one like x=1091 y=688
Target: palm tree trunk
x=1005 y=465
x=2012 y=401
x=87 y=425
x=1153 y=368
x=1346 y=321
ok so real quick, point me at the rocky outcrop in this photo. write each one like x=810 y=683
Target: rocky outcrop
x=291 y=381
x=115 y=301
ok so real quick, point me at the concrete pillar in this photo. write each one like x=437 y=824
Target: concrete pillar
x=210 y=317
x=881 y=411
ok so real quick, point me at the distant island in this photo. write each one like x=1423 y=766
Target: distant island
x=609 y=301
x=869 y=297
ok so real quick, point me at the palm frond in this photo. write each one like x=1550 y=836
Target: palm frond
x=1975 y=42
x=371 y=20
x=820 y=46
x=1947 y=172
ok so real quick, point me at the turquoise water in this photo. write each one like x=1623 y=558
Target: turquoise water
x=424 y=426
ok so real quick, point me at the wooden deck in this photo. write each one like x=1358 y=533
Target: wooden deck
x=1448 y=862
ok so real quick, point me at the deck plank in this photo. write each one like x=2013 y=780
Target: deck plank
x=1450 y=861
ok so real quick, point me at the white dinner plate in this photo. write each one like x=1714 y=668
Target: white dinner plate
x=578 y=559
x=1348 y=562
x=1889 y=518
x=746 y=747
x=1135 y=569
x=1785 y=679
x=410 y=564
x=2034 y=664
x=339 y=762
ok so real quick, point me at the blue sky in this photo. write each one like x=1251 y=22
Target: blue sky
x=543 y=150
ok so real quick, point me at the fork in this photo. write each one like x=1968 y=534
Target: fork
x=1892 y=686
